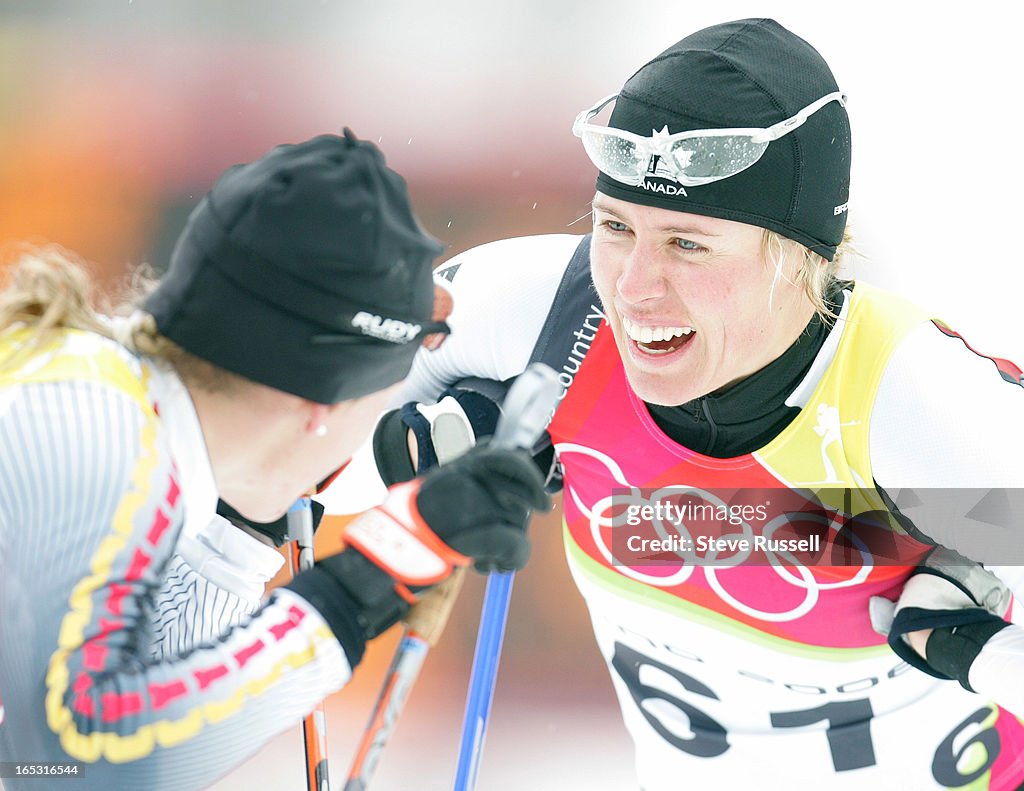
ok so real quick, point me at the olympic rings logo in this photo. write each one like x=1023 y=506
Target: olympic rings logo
x=608 y=512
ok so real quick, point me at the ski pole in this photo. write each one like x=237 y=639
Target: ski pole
x=483 y=677
x=533 y=396
x=424 y=626
x=314 y=726
x=427 y=619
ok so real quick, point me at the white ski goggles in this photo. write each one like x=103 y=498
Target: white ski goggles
x=688 y=158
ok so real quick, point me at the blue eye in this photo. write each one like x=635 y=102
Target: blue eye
x=615 y=225
x=686 y=244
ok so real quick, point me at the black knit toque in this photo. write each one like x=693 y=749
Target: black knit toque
x=305 y=271
x=746 y=74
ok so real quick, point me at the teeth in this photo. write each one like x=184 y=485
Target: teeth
x=649 y=334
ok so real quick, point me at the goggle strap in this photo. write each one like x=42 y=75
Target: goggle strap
x=775 y=131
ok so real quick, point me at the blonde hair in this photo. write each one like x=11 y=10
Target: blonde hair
x=48 y=289
x=816 y=274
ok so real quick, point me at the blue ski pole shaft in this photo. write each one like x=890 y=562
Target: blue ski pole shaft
x=482 y=680
x=525 y=413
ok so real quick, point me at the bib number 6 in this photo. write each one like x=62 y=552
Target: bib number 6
x=848 y=732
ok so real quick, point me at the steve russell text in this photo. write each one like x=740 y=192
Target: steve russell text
x=712 y=544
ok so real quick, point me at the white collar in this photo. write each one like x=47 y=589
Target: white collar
x=188 y=447
x=212 y=546
x=803 y=392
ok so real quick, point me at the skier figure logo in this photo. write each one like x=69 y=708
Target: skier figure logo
x=830 y=428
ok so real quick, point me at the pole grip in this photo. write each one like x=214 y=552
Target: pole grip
x=429 y=617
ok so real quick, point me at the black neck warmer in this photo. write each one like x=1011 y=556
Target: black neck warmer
x=749 y=414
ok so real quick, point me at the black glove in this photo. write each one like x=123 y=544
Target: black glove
x=480 y=505
x=443 y=431
x=959 y=600
x=464 y=415
x=475 y=509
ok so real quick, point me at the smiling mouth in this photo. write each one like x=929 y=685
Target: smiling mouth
x=659 y=339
